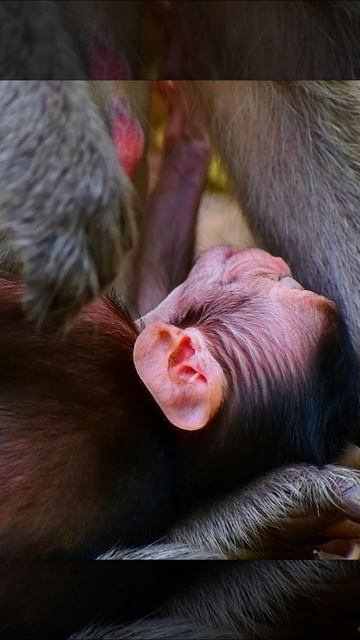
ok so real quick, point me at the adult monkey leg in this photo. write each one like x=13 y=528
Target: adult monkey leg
x=254 y=599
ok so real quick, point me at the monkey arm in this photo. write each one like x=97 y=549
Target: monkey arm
x=276 y=599
x=284 y=507
x=255 y=599
x=168 y=234
x=159 y=628
x=296 y=501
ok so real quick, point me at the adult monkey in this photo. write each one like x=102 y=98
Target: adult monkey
x=238 y=347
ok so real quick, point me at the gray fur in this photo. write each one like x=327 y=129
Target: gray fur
x=33 y=43
x=163 y=550
x=64 y=201
x=238 y=525
x=63 y=197
x=293 y=151
x=241 y=521
x=245 y=600
x=241 y=600
x=159 y=628
x=299 y=181
x=262 y=595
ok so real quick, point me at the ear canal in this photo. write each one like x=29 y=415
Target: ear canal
x=177 y=368
x=179 y=363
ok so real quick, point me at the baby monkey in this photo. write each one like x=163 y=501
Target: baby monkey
x=262 y=369
x=113 y=432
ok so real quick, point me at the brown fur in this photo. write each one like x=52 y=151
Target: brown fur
x=67 y=453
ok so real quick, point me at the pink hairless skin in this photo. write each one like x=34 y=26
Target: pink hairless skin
x=127 y=135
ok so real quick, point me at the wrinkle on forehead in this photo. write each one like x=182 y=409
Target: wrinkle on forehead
x=253 y=338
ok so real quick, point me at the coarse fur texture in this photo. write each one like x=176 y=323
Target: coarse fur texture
x=34 y=43
x=64 y=200
x=267 y=40
x=242 y=522
x=65 y=206
x=334 y=58
x=254 y=599
x=63 y=426
x=159 y=628
x=293 y=154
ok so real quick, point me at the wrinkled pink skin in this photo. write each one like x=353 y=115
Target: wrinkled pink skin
x=251 y=272
x=285 y=321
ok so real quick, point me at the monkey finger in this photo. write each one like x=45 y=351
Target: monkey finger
x=338 y=548
x=305 y=527
x=350 y=504
x=300 y=530
x=345 y=530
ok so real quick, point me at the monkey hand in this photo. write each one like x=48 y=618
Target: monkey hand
x=64 y=198
x=279 y=515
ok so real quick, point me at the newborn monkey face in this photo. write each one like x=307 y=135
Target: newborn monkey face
x=253 y=292
x=253 y=271
x=255 y=274
x=266 y=314
x=238 y=319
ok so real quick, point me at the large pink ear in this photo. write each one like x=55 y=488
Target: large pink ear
x=180 y=373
